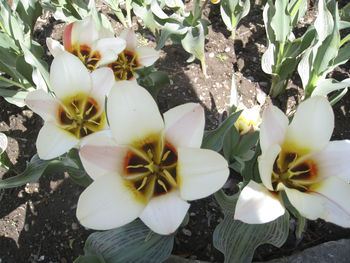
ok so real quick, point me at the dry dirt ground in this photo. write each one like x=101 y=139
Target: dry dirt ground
x=37 y=221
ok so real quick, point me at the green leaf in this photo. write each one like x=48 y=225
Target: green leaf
x=250 y=170
x=14 y=96
x=238 y=241
x=193 y=43
x=168 y=30
x=89 y=259
x=32 y=173
x=247 y=142
x=130 y=243
x=226 y=202
x=37 y=168
x=281 y=21
x=29 y=11
x=230 y=143
x=214 y=139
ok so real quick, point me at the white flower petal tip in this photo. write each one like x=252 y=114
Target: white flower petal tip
x=184 y=125
x=54 y=46
x=53 y=141
x=312 y=125
x=328 y=200
x=147 y=56
x=257 y=205
x=164 y=214
x=69 y=76
x=107 y=203
x=201 y=172
x=273 y=127
x=133 y=113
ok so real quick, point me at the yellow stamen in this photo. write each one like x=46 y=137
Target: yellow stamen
x=169 y=178
x=162 y=184
x=150 y=154
x=136 y=166
x=166 y=155
x=144 y=180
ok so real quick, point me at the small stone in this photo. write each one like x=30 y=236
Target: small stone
x=26 y=227
x=75 y=226
x=211 y=54
x=228 y=49
x=186 y=232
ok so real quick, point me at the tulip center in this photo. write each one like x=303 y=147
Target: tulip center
x=80 y=116
x=123 y=68
x=89 y=58
x=151 y=169
x=292 y=172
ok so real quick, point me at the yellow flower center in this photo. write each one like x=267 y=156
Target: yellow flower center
x=80 y=116
x=123 y=68
x=89 y=58
x=150 y=169
x=293 y=173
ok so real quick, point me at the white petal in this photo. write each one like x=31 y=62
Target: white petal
x=54 y=46
x=257 y=205
x=102 y=82
x=273 y=127
x=334 y=160
x=146 y=56
x=184 y=125
x=109 y=49
x=53 y=141
x=312 y=125
x=100 y=155
x=200 y=172
x=107 y=203
x=328 y=200
x=130 y=38
x=43 y=104
x=69 y=76
x=133 y=114
x=85 y=31
x=165 y=213
x=266 y=162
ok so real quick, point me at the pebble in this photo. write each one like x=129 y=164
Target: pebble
x=211 y=54
x=228 y=49
x=186 y=232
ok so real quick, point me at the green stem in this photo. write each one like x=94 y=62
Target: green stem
x=344 y=40
x=198 y=14
x=14 y=83
x=311 y=86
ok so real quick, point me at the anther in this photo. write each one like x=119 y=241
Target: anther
x=162 y=184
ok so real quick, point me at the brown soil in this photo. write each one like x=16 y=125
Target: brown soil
x=37 y=221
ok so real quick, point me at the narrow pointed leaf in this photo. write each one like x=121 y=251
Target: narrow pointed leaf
x=131 y=243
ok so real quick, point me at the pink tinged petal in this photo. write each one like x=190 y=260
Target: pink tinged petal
x=328 y=200
x=54 y=46
x=312 y=125
x=43 y=104
x=273 y=127
x=130 y=38
x=67 y=38
x=184 y=125
x=102 y=82
x=100 y=155
x=200 y=172
x=133 y=114
x=69 y=76
x=266 y=162
x=147 y=56
x=53 y=141
x=109 y=49
x=334 y=160
x=257 y=205
x=108 y=203
x=164 y=214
